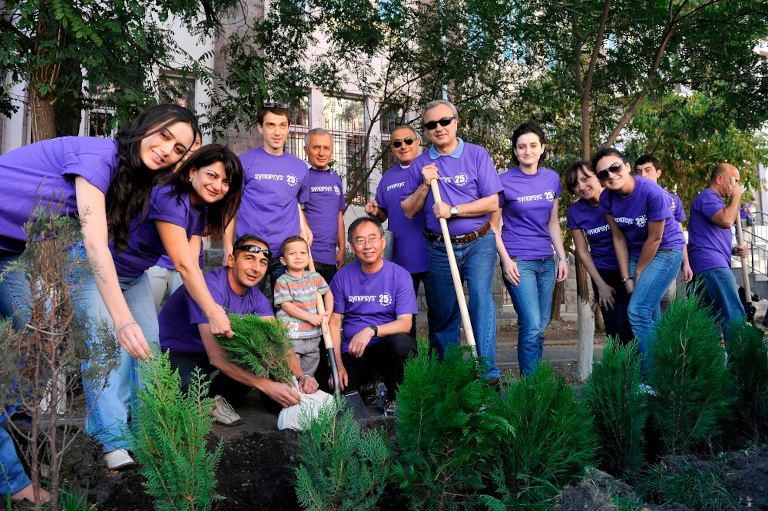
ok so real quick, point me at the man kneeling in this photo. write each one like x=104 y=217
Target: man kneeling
x=374 y=304
x=184 y=331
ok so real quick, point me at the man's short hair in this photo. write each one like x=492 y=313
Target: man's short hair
x=245 y=238
x=361 y=220
x=291 y=239
x=436 y=103
x=316 y=131
x=405 y=127
x=721 y=169
x=648 y=158
x=273 y=108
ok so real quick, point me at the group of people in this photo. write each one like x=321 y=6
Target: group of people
x=148 y=197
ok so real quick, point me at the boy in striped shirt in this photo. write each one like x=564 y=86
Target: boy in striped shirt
x=296 y=299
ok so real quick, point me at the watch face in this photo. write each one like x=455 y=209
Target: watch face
x=454 y=211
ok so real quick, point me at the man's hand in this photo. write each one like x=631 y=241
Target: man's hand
x=281 y=393
x=343 y=378
x=687 y=272
x=360 y=341
x=219 y=322
x=441 y=210
x=740 y=250
x=340 y=256
x=308 y=385
x=429 y=173
x=372 y=208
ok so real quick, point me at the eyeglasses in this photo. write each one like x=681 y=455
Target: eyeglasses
x=253 y=249
x=360 y=242
x=275 y=105
x=445 y=121
x=613 y=169
x=407 y=141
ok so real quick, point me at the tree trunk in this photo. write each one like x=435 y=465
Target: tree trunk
x=43 y=119
x=557 y=300
x=586 y=323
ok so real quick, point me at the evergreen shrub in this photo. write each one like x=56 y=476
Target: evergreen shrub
x=553 y=441
x=688 y=376
x=748 y=365
x=341 y=468
x=170 y=427
x=618 y=408
x=447 y=436
x=700 y=485
x=259 y=345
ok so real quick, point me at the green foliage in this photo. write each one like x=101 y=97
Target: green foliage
x=447 y=436
x=688 y=374
x=748 y=365
x=170 y=427
x=618 y=407
x=259 y=345
x=553 y=443
x=341 y=467
x=697 y=484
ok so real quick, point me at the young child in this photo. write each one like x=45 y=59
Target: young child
x=296 y=297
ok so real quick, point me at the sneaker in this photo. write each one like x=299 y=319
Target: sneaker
x=647 y=389
x=224 y=412
x=381 y=398
x=391 y=410
x=119 y=459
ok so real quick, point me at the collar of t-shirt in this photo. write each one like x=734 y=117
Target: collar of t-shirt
x=456 y=153
x=324 y=169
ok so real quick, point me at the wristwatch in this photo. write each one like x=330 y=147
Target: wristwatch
x=375 y=330
x=454 y=211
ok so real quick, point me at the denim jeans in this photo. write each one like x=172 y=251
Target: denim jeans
x=476 y=262
x=12 y=475
x=14 y=292
x=532 y=299
x=645 y=303
x=719 y=289
x=108 y=400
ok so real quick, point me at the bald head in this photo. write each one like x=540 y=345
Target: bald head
x=726 y=170
x=720 y=180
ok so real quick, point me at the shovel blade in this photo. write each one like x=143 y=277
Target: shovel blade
x=354 y=402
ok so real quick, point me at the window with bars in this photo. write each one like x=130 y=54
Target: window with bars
x=391 y=118
x=299 y=127
x=102 y=112
x=345 y=120
x=174 y=88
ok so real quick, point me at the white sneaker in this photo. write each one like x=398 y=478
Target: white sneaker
x=119 y=459
x=647 y=389
x=224 y=412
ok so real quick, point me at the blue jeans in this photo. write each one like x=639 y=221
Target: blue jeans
x=532 y=299
x=14 y=292
x=108 y=400
x=12 y=475
x=719 y=289
x=476 y=261
x=645 y=303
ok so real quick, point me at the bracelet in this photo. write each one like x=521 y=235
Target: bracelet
x=562 y=258
x=302 y=376
x=623 y=281
x=125 y=325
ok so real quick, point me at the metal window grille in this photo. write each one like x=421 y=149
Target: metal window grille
x=177 y=89
x=299 y=127
x=345 y=120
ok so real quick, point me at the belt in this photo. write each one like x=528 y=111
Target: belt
x=463 y=238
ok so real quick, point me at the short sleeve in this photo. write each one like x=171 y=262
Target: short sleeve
x=322 y=286
x=710 y=205
x=570 y=220
x=167 y=208
x=261 y=306
x=488 y=182
x=338 y=296
x=679 y=209
x=342 y=201
x=303 y=193
x=658 y=205
x=406 y=297
x=97 y=166
x=281 y=292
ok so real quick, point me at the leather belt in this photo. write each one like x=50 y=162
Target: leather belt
x=463 y=238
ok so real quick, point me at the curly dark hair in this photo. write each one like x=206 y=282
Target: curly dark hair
x=128 y=193
x=222 y=212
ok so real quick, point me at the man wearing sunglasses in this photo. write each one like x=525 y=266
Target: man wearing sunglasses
x=469 y=188
x=411 y=250
x=185 y=332
x=325 y=208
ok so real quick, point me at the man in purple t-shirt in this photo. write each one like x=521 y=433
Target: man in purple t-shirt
x=275 y=186
x=185 y=332
x=373 y=307
x=325 y=208
x=411 y=250
x=469 y=188
x=709 y=243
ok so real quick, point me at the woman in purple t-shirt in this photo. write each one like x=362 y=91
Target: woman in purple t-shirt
x=594 y=246
x=531 y=228
x=647 y=239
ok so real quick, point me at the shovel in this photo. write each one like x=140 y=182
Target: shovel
x=353 y=399
x=749 y=309
x=455 y=274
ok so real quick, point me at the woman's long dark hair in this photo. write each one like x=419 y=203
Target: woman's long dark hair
x=220 y=213
x=128 y=194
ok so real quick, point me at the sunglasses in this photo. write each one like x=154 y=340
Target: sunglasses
x=253 y=249
x=445 y=121
x=613 y=169
x=275 y=105
x=407 y=141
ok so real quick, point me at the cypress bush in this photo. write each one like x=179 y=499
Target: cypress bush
x=259 y=345
x=700 y=485
x=552 y=444
x=688 y=375
x=748 y=366
x=341 y=468
x=618 y=408
x=169 y=437
x=447 y=437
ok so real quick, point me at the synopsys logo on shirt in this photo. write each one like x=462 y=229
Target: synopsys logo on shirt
x=550 y=195
x=385 y=299
x=641 y=221
x=461 y=179
x=291 y=179
x=336 y=189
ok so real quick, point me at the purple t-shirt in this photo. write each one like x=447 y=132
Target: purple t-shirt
x=273 y=188
x=709 y=245
x=371 y=298
x=165 y=260
x=527 y=203
x=648 y=202
x=678 y=210
x=585 y=216
x=144 y=244
x=465 y=175
x=411 y=249
x=42 y=175
x=181 y=314
x=326 y=200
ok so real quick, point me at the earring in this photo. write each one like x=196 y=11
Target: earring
x=190 y=179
